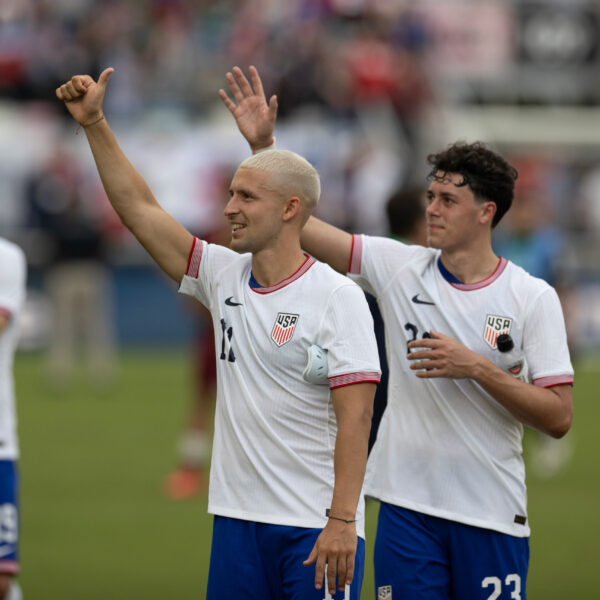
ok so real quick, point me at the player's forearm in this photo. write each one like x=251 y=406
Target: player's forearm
x=350 y=455
x=350 y=461
x=548 y=409
x=126 y=189
x=166 y=240
x=327 y=243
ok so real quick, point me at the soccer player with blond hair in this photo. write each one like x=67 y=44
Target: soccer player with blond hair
x=289 y=452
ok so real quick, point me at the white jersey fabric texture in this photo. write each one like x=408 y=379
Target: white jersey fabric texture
x=13 y=273
x=445 y=447
x=272 y=458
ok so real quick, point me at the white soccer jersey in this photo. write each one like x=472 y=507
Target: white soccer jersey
x=272 y=458
x=12 y=295
x=445 y=447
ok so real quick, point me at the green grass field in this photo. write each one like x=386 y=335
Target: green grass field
x=96 y=525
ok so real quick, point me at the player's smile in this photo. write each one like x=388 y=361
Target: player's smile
x=238 y=232
x=236 y=227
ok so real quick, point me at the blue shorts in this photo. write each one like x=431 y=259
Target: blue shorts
x=9 y=517
x=425 y=557
x=259 y=561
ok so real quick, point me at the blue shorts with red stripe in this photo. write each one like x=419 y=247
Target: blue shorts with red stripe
x=9 y=517
x=422 y=557
x=260 y=561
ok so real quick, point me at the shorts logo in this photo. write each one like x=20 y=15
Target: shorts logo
x=283 y=330
x=384 y=592
x=495 y=326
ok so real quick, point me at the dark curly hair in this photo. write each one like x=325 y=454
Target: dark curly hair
x=486 y=173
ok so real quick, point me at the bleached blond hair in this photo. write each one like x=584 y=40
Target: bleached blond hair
x=290 y=175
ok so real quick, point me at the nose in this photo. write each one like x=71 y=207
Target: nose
x=432 y=207
x=231 y=207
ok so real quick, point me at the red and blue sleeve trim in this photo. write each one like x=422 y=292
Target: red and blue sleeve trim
x=194 y=259
x=553 y=380
x=352 y=378
x=356 y=254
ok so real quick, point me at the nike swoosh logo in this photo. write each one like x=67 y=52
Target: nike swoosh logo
x=416 y=300
x=6 y=550
x=229 y=301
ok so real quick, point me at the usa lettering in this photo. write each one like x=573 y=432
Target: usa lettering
x=286 y=320
x=498 y=323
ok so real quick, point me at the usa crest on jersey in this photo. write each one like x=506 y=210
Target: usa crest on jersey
x=495 y=325
x=384 y=592
x=283 y=330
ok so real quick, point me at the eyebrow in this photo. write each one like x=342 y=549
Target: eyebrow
x=443 y=194
x=448 y=194
x=242 y=190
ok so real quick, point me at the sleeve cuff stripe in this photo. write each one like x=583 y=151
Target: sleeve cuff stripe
x=355 y=255
x=352 y=378
x=193 y=266
x=553 y=380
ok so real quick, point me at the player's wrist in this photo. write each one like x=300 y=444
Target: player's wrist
x=343 y=521
x=483 y=369
x=89 y=121
x=262 y=146
x=92 y=119
x=342 y=516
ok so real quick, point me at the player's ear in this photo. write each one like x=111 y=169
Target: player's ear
x=292 y=207
x=488 y=210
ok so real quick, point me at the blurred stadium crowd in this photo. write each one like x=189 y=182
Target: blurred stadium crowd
x=366 y=89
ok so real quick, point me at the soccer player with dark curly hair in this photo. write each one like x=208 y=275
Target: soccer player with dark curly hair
x=447 y=464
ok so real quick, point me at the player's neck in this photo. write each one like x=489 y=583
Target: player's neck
x=468 y=266
x=272 y=266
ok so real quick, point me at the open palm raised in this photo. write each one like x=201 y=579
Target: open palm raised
x=254 y=117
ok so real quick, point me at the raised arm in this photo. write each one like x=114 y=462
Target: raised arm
x=255 y=119
x=167 y=241
x=336 y=545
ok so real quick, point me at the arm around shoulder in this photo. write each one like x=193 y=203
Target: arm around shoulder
x=327 y=243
